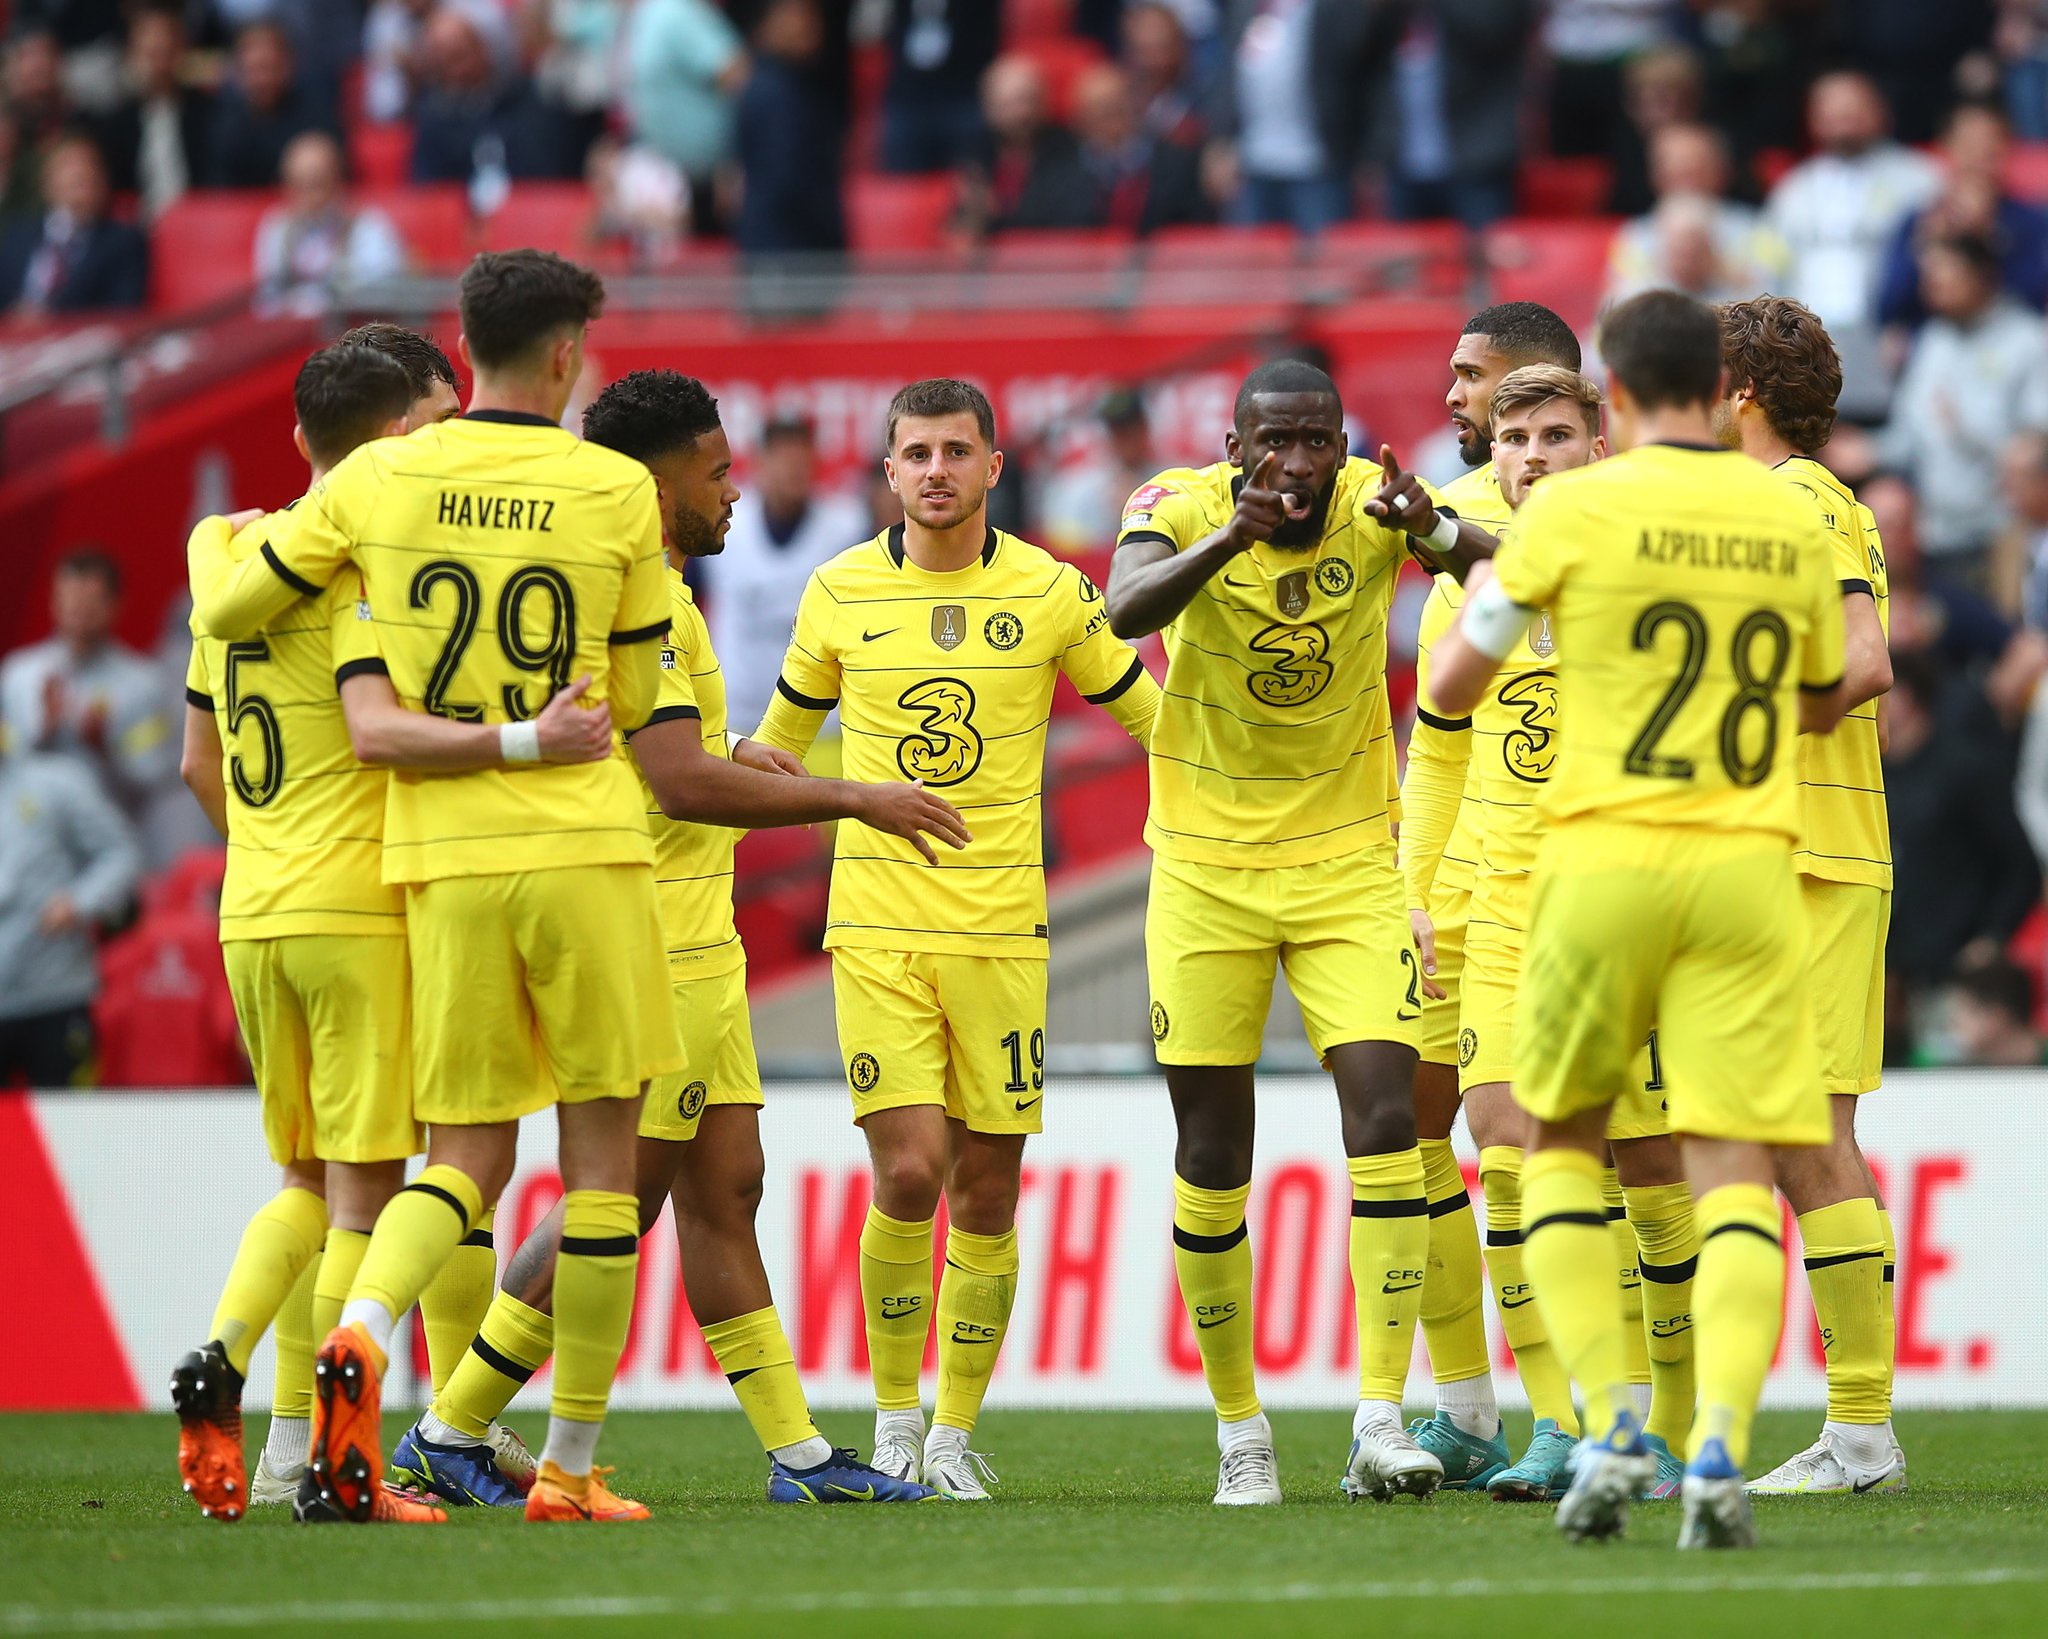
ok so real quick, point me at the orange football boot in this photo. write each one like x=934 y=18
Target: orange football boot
x=559 y=1497
x=402 y=1508
x=207 y=1391
x=347 y=1455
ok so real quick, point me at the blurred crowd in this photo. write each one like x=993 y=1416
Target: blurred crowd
x=1869 y=157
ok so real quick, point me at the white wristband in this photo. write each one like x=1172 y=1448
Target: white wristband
x=519 y=742
x=1445 y=536
x=732 y=740
x=1493 y=622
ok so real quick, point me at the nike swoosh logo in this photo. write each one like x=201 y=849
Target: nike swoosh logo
x=1412 y=1286
x=1024 y=1104
x=970 y=1342
x=871 y=637
x=1210 y=1325
x=1869 y=1485
x=858 y=1496
x=1519 y=1303
x=1407 y=1018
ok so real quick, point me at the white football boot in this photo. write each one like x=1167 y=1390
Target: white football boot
x=899 y=1445
x=1829 y=1468
x=1386 y=1461
x=270 y=1486
x=1248 y=1474
x=952 y=1470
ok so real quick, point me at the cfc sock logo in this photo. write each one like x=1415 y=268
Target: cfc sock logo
x=1213 y=1314
x=966 y=1333
x=1516 y=1297
x=902 y=1308
x=1679 y=1325
x=1402 y=1280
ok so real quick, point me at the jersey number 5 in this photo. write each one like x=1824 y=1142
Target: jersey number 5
x=552 y=655
x=1754 y=692
x=244 y=708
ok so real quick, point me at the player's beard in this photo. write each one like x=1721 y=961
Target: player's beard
x=964 y=504
x=1475 y=445
x=695 y=535
x=1297 y=534
x=1723 y=421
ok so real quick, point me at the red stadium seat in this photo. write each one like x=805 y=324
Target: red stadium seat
x=1563 y=187
x=202 y=248
x=380 y=155
x=1223 y=247
x=1401 y=258
x=1562 y=264
x=432 y=218
x=1056 y=248
x=553 y=216
x=898 y=213
x=1025 y=21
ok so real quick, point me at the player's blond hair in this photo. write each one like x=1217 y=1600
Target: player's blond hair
x=1536 y=384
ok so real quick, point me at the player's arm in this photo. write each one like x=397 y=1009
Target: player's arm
x=1154 y=575
x=1488 y=628
x=1441 y=541
x=642 y=621
x=808 y=687
x=692 y=784
x=1824 y=691
x=1439 y=754
x=386 y=735
x=199 y=763
x=1105 y=669
x=235 y=599
x=1866 y=657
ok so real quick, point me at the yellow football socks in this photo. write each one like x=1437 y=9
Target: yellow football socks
x=340 y=1262
x=1627 y=1255
x=416 y=1233
x=1453 y=1316
x=512 y=1344
x=1543 y=1375
x=452 y=1307
x=753 y=1351
x=1845 y=1255
x=278 y=1243
x=1738 y=1301
x=594 y=1277
x=896 y=1296
x=1212 y=1256
x=297 y=1343
x=1570 y=1255
x=1668 y=1244
x=1389 y=1255
x=1891 y=1328
x=976 y=1290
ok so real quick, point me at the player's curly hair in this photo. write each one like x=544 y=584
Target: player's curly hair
x=1536 y=384
x=1780 y=349
x=651 y=413
x=418 y=356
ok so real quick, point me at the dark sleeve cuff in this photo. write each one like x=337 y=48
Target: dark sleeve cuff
x=668 y=714
x=639 y=634
x=1450 y=725
x=1121 y=687
x=1147 y=535
x=298 y=583
x=807 y=701
x=1820 y=688
x=1862 y=586
x=360 y=668
x=194 y=698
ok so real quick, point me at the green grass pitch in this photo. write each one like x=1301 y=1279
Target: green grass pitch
x=1102 y=1526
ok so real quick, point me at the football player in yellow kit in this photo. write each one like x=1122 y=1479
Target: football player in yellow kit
x=1783 y=379
x=1697 y=627
x=940 y=640
x=1271 y=573
x=700 y=1134
x=1440 y=816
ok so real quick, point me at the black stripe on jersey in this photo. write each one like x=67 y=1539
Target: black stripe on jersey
x=1120 y=687
x=807 y=701
x=951 y=933
x=370 y=667
x=668 y=714
x=1450 y=725
x=639 y=634
x=298 y=583
x=1138 y=535
x=1820 y=688
x=1862 y=586
x=194 y=698
x=600 y=1246
x=510 y=418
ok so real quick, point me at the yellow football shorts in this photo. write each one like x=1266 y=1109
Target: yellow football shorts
x=327 y=1022
x=1338 y=928
x=1486 y=1035
x=718 y=1051
x=1447 y=912
x=537 y=988
x=966 y=1033
x=1849 y=922
x=1699 y=932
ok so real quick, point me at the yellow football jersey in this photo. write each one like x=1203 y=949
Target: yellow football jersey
x=1274 y=744
x=502 y=558
x=693 y=863
x=305 y=819
x=1439 y=842
x=1690 y=596
x=1841 y=775
x=948 y=679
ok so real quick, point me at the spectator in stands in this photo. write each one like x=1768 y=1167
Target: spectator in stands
x=73 y=257
x=1289 y=112
x=158 y=139
x=1685 y=254
x=1991 y=1015
x=685 y=67
x=261 y=110
x=68 y=862
x=34 y=85
x=1974 y=202
x=1033 y=176
x=1838 y=212
x=640 y=202
x=391 y=46
x=21 y=182
x=789 y=145
x=574 y=46
x=1448 y=100
x=1692 y=161
x=475 y=122
x=939 y=51
x=2019 y=576
x=1758 y=56
x=1977 y=374
x=1155 y=55
x=83 y=694
x=783 y=527
x=1141 y=180
x=2021 y=38
x=1964 y=874
x=316 y=244
x=1911 y=50
x=1589 y=43
x=1082 y=501
x=1662 y=88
